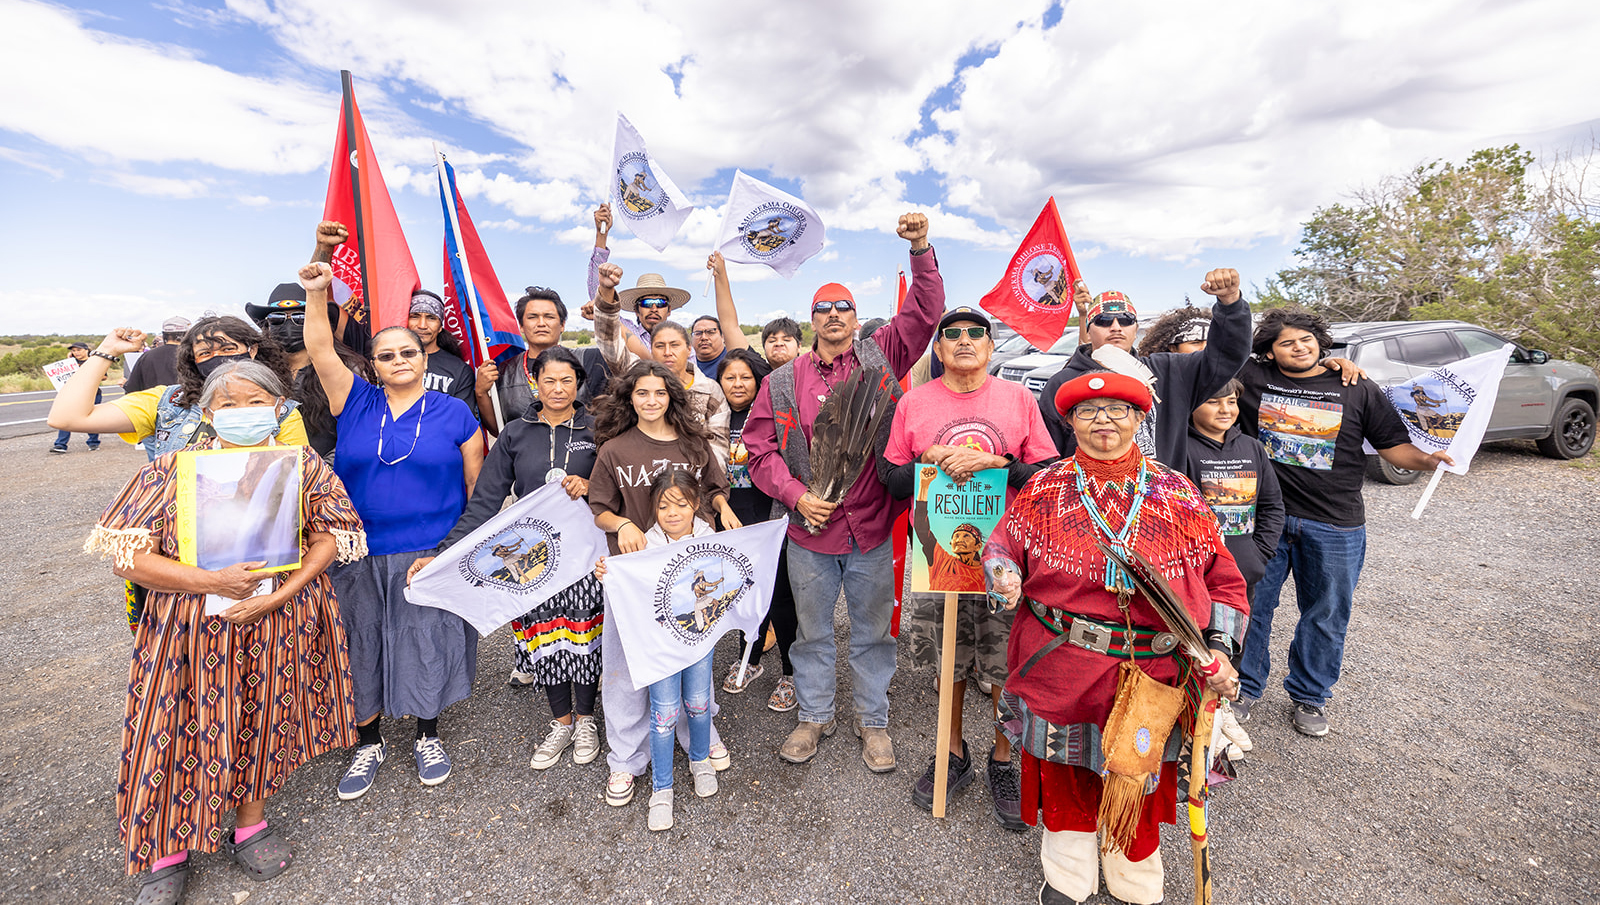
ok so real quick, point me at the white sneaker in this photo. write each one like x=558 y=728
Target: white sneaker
x=720 y=758
x=548 y=754
x=520 y=679
x=585 y=740
x=660 y=810
x=705 y=777
x=619 y=788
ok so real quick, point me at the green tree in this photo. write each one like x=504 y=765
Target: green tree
x=1497 y=241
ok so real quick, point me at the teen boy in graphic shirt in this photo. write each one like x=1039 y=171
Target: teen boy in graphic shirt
x=1313 y=426
x=1238 y=482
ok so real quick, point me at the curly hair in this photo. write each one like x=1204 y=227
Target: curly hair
x=615 y=415
x=1160 y=335
x=1275 y=320
x=231 y=329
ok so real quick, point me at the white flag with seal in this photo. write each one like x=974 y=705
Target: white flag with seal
x=766 y=225
x=1448 y=408
x=641 y=194
x=669 y=605
x=538 y=547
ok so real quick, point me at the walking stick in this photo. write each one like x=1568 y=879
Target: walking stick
x=1199 y=770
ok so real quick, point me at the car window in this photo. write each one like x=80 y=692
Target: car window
x=1428 y=350
x=1377 y=359
x=1066 y=345
x=1018 y=343
x=1478 y=342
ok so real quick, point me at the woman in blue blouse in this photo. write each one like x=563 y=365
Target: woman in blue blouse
x=408 y=458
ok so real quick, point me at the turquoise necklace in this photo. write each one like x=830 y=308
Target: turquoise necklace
x=1118 y=581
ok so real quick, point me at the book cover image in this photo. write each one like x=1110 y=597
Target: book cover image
x=240 y=505
x=950 y=524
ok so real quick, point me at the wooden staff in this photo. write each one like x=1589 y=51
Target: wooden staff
x=947 y=669
x=1199 y=771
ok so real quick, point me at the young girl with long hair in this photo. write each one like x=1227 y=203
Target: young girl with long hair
x=644 y=427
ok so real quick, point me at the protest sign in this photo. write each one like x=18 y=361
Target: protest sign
x=59 y=371
x=950 y=524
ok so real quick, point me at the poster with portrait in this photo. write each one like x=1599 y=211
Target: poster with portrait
x=950 y=523
x=240 y=505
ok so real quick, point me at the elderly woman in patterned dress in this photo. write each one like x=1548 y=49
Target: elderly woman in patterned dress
x=222 y=708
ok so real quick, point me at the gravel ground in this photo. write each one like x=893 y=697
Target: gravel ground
x=1461 y=767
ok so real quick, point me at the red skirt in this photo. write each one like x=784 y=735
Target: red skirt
x=1070 y=799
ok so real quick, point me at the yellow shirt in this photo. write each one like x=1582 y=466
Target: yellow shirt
x=140 y=408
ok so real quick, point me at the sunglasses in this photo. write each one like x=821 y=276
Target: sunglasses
x=279 y=318
x=1122 y=320
x=840 y=305
x=1116 y=411
x=954 y=333
x=653 y=302
x=407 y=354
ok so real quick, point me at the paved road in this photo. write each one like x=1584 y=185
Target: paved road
x=1463 y=765
x=23 y=414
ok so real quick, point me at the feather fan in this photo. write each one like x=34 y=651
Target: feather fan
x=1166 y=602
x=844 y=434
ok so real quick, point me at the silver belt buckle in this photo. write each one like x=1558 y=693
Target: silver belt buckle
x=1090 y=637
x=1163 y=643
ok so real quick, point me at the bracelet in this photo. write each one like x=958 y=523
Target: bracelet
x=626 y=521
x=99 y=354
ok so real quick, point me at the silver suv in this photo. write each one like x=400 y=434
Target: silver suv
x=1551 y=402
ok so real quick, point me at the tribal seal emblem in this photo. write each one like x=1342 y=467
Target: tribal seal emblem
x=698 y=587
x=519 y=558
x=771 y=228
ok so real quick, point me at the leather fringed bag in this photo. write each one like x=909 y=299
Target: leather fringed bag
x=1142 y=716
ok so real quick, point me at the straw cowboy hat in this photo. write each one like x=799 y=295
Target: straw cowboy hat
x=652 y=284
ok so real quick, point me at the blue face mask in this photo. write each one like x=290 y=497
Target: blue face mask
x=246 y=426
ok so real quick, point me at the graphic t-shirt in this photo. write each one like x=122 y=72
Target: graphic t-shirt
x=1229 y=488
x=999 y=417
x=451 y=376
x=747 y=500
x=1313 y=429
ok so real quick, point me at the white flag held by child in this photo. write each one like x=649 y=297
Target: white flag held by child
x=1448 y=408
x=540 y=546
x=766 y=225
x=641 y=194
x=669 y=605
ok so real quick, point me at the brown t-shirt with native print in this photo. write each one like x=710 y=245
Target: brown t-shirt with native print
x=628 y=464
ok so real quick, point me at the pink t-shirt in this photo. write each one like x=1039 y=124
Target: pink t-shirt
x=999 y=417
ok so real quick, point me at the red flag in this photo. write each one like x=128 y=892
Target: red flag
x=1035 y=295
x=900 y=294
x=375 y=263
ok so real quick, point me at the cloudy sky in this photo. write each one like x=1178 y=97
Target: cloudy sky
x=172 y=157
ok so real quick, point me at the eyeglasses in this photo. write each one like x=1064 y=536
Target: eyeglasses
x=1106 y=320
x=653 y=302
x=278 y=318
x=407 y=354
x=699 y=333
x=954 y=333
x=1116 y=411
x=840 y=305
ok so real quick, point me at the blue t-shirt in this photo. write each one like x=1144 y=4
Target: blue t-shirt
x=412 y=504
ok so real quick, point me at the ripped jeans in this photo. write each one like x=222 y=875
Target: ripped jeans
x=689 y=690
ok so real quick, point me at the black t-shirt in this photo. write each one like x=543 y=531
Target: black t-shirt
x=1313 y=429
x=450 y=375
x=744 y=498
x=155 y=368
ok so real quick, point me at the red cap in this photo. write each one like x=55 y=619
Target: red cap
x=833 y=292
x=1107 y=384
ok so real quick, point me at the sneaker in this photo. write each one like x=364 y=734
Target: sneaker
x=520 y=679
x=363 y=771
x=732 y=685
x=619 y=788
x=58 y=449
x=1241 y=708
x=784 y=698
x=1005 y=790
x=585 y=740
x=960 y=775
x=986 y=687
x=660 y=810
x=1049 y=895
x=705 y=777
x=94 y=448
x=1310 y=720
x=720 y=758
x=548 y=754
x=433 y=765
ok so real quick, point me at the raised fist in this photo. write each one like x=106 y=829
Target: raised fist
x=316 y=276
x=610 y=276
x=1222 y=283
x=123 y=340
x=330 y=233
x=914 y=229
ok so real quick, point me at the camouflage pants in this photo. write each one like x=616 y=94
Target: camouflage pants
x=981 y=636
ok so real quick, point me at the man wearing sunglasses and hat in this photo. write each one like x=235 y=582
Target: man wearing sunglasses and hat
x=850 y=550
x=1184 y=381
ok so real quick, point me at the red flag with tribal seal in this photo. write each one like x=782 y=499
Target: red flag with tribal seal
x=1035 y=296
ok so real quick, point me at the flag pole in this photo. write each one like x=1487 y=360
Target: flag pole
x=471 y=308
x=744 y=661
x=347 y=82
x=1433 y=482
x=716 y=242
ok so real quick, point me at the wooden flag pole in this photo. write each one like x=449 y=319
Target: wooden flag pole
x=947 y=705
x=1199 y=774
x=1427 y=494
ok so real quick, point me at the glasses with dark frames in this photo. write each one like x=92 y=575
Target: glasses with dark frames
x=1106 y=320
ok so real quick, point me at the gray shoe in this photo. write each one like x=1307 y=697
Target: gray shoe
x=660 y=810
x=549 y=752
x=1310 y=720
x=585 y=740
x=705 y=777
x=1241 y=708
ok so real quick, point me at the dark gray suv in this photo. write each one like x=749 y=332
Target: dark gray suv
x=1551 y=402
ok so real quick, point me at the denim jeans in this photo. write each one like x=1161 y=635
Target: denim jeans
x=867 y=578
x=63 y=436
x=690 y=690
x=1326 y=562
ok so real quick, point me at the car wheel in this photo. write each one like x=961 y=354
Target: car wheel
x=1573 y=435
x=1379 y=469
